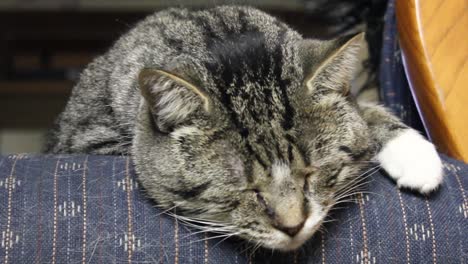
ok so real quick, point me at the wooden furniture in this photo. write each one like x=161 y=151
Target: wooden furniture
x=434 y=41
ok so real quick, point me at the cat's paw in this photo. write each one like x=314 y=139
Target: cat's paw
x=412 y=161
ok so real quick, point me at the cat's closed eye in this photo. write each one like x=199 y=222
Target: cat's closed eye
x=263 y=203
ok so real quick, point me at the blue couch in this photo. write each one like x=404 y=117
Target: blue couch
x=90 y=209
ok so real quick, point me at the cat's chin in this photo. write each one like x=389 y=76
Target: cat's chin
x=281 y=241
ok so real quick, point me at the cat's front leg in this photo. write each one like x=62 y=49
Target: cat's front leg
x=408 y=157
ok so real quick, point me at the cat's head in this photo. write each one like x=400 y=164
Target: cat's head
x=261 y=149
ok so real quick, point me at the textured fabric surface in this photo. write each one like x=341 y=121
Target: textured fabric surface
x=90 y=209
x=395 y=92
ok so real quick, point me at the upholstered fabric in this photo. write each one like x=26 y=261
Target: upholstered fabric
x=395 y=91
x=90 y=209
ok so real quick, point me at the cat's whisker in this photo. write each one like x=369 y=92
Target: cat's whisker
x=352 y=187
x=192 y=221
x=329 y=221
x=369 y=171
x=164 y=211
x=358 y=179
x=248 y=246
x=253 y=249
x=211 y=230
x=342 y=202
x=257 y=246
x=245 y=246
x=352 y=193
x=322 y=229
x=369 y=192
x=350 y=198
x=364 y=174
x=354 y=197
x=225 y=236
x=206 y=227
x=334 y=208
x=202 y=219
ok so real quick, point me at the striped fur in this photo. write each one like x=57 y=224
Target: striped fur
x=242 y=123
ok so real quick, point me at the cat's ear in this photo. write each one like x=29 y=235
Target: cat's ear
x=171 y=98
x=331 y=64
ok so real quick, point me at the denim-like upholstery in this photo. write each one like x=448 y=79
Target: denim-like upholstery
x=90 y=209
x=395 y=91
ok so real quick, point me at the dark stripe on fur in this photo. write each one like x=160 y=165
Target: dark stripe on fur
x=189 y=192
x=301 y=151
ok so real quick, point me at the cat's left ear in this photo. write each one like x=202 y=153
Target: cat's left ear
x=171 y=98
x=330 y=64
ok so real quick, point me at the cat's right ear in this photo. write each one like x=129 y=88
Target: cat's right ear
x=171 y=98
x=330 y=64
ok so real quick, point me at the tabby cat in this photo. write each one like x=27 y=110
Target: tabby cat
x=239 y=123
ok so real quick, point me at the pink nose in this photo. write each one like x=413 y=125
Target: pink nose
x=291 y=231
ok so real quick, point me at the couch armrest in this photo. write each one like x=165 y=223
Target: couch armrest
x=69 y=209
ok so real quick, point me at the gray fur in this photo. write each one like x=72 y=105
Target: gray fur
x=242 y=122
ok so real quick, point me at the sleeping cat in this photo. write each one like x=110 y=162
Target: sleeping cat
x=237 y=122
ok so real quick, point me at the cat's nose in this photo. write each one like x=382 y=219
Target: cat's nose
x=290 y=230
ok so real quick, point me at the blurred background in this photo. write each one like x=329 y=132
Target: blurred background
x=44 y=44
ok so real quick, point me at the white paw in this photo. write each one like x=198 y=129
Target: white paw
x=412 y=161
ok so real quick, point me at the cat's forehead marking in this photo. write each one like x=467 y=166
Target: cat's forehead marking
x=280 y=171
